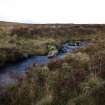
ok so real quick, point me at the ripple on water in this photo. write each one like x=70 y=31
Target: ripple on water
x=7 y=79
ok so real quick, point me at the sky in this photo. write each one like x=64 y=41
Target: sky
x=53 y=11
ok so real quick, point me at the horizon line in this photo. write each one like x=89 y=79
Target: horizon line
x=28 y=22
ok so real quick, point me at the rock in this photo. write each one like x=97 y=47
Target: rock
x=53 y=53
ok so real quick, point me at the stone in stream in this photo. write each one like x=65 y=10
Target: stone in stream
x=52 y=51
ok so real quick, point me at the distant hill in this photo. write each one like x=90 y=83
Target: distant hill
x=50 y=29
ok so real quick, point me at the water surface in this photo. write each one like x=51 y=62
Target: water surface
x=8 y=74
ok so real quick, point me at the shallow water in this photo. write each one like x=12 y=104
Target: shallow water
x=8 y=74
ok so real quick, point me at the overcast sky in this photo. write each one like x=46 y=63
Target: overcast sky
x=53 y=11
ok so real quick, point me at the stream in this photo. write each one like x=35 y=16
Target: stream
x=8 y=74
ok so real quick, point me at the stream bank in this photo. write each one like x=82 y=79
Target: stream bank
x=9 y=74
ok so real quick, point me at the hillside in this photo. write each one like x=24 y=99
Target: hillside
x=18 y=37
x=77 y=79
